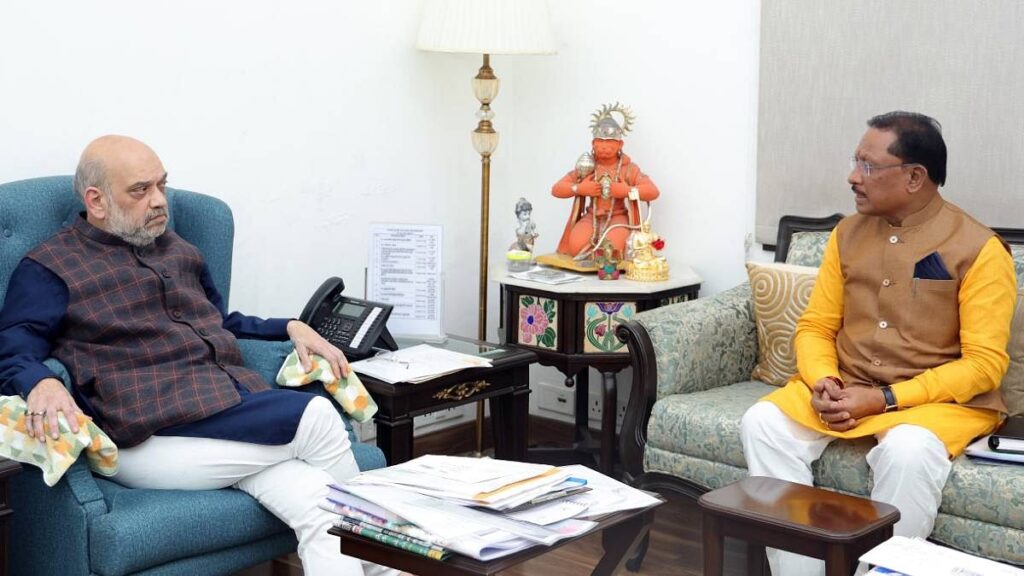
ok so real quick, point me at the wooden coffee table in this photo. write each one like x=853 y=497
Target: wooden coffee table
x=802 y=519
x=621 y=532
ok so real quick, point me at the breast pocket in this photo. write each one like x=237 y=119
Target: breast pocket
x=934 y=313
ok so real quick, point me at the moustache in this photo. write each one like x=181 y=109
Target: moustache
x=154 y=214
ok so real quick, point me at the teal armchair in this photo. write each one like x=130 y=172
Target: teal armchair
x=89 y=525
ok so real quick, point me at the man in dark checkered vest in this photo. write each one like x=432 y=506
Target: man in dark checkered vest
x=131 y=309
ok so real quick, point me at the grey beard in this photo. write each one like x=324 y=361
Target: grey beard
x=139 y=236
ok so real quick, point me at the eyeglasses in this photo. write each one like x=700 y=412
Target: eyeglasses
x=866 y=168
x=385 y=356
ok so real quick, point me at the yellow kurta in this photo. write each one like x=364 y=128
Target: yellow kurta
x=930 y=393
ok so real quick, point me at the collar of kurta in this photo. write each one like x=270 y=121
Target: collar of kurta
x=924 y=214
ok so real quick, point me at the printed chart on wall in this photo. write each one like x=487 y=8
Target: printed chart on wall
x=405 y=266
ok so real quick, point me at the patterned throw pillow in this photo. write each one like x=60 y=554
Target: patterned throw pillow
x=1012 y=387
x=780 y=294
x=54 y=457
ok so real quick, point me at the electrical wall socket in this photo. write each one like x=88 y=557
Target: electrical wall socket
x=555 y=398
x=594 y=407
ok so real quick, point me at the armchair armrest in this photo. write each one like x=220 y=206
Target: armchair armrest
x=684 y=348
x=265 y=356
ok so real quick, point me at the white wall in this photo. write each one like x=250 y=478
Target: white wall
x=312 y=118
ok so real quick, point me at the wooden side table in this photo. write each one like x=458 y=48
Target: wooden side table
x=7 y=469
x=820 y=523
x=506 y=385
x=571 y=327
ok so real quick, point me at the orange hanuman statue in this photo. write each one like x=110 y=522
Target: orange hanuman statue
x=607 y=188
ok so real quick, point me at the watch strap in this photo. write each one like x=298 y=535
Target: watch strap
x=890 y=399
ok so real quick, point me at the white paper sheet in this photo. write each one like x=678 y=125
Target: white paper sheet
x=417 y=364
x=917 y=557
x=405 y=266
x=607 y=495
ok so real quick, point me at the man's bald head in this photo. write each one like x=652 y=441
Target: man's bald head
x=123 y=186
x=104 y=155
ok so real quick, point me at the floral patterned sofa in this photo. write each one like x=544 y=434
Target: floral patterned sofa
x=692 y=366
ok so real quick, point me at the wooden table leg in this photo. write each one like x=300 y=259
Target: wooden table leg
x=620 y=541
x=756 y=560
x=837 y=560
x=609 y=405
x=714 y=554
x=394 y=438
x=582 y=412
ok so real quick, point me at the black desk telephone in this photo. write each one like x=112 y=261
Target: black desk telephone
x=353 y=325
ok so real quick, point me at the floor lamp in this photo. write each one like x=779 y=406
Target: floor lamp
x=485 y=27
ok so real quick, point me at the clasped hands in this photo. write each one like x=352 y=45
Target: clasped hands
x=840 y=409
x=588 y=187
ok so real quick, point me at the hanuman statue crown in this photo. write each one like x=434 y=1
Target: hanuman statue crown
x=604 y=126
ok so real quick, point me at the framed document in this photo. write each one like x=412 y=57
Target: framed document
x=405 y=266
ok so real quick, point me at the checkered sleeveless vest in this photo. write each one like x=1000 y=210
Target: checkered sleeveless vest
x=140 y=337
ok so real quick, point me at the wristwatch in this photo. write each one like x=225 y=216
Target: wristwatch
x=890 y=399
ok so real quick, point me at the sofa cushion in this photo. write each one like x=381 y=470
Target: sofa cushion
x=1012 y=387
x=144 y=528
x=780 y=296
x=807 y=248
x=1017 y=251
x=704 y=424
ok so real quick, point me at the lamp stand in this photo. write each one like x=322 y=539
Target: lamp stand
x=485 y=140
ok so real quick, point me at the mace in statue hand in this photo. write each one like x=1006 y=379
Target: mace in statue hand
x=606 y=187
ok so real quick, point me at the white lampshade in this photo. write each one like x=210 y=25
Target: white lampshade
x=486 y=27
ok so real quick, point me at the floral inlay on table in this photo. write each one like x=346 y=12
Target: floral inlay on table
x=600 y=320
x=537 y=326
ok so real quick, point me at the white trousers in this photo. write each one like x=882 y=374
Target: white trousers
x=909 y=464
x=289 y=480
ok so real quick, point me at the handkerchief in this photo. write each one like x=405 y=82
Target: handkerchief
x=931 y=267
x=54 y=457
x=348 y=392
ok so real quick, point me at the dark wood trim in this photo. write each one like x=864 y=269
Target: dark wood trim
x=661 y=483
x=460 y=438
x=633 y=435
x=790 y=224
x=8 y=468
x=1011 y=235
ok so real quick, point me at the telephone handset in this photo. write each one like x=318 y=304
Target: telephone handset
x=353 y=325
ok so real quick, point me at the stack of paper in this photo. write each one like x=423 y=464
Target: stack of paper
x=483 y=482
x=417 y=364
x=478 y=507
x=917 y=557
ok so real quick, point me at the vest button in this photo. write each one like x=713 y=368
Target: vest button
x=165 y=273
x=883 y=324
x=202 y=331
x=886 y=282
x=876 y=362
x=176 y=313
x=893 y=239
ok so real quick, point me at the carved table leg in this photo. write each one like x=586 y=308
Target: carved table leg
x=609 y=406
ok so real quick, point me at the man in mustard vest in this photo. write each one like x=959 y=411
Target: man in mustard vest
x=904 y=338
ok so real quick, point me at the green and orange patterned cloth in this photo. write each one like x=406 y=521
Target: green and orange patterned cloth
x=52 y=456
x=55 y=456
x=348 y=392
